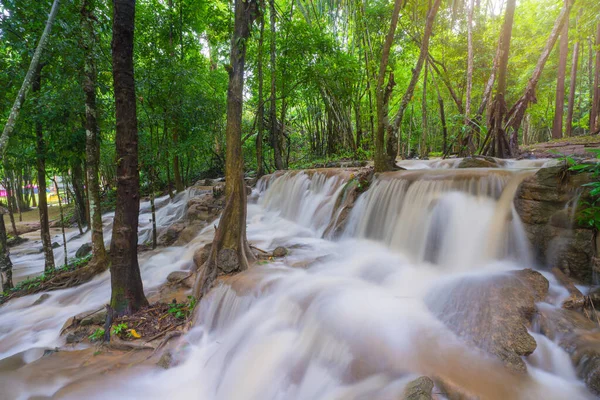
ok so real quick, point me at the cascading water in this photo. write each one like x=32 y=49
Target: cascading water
x=444 y=217
x=346 y=319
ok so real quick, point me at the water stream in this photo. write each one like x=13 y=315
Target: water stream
x=343 y=319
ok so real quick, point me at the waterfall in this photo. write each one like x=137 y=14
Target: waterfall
x=303 y=197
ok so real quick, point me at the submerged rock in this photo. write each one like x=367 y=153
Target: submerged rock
x=419 y=389
x=280 y=252
x=478 y=162
x=84 y=250
x=579 y=337
x=493 y=313
x=41 y=299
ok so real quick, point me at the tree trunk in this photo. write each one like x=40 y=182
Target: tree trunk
x=92 y=139
x=9 y=201
x=78 y=190
x=382 y=163
x=517 y=112
x=394 y=130
x=594 y=119
x=557 y=126
x=230 y=251
x=6 y=282
x=275 y=136
x=572 y=87
x=126 y=283
x=469 y=64
x=41 y=175
x=260 y=170
x=33 y=67
x=62 y=223
x=423 y=147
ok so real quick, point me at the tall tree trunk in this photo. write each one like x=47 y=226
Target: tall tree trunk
x=557 y=126
x=33 y=67
x=572 y=87
x=394 y=130
x=595 y=115
x=78 y=190
x=41 y=175
x=62 y=222
x=260 y=170
x=6 y=281
x=275 y=135
x=92 y=138
x=230 y=251
x=9 y=200
x=382 y=93
x=423 y=147
x=126 y=283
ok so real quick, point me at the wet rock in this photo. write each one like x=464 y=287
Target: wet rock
x=15 y=241
x=188 y=234
x=55 y=245
x=280 y=252
x=493 y=313
x=576 y=299
x=579 y=337
x=545 y=203
x=97 y=318
x=166 y=360
x=84 y=250
x=77 y=337
x=168 y=237
x=41 y=299
x=181 y=278
x=419 y=389
x=201 y=255
x=478 y=162
x=203 y=208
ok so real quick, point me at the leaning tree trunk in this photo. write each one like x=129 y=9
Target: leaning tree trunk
x=573 y=86
x=594 y=116
x=33 y=67
x=275 y=135
x=381 y=161
x=99 y=259
x=126 y=283
x=517 y=112
x=6 y=282
x=423 y=147
x=230 y=251
x=41 y=175
x=469 y=63
x=394 y=130
x=557 y=126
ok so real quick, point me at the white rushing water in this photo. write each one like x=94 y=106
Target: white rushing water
x=345 y=319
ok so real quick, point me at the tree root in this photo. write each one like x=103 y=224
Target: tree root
x=62 y=280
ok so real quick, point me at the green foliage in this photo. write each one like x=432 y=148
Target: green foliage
x=119 y=329
x=97 y=335
x=182 y=310
x=590 y=214
x=35 y=282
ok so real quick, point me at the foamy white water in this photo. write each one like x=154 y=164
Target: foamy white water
x=340 y=319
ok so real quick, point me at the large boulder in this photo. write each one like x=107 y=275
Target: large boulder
x=203 y=208
x=547 y=204
x=171 y=234
x=493 y=313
